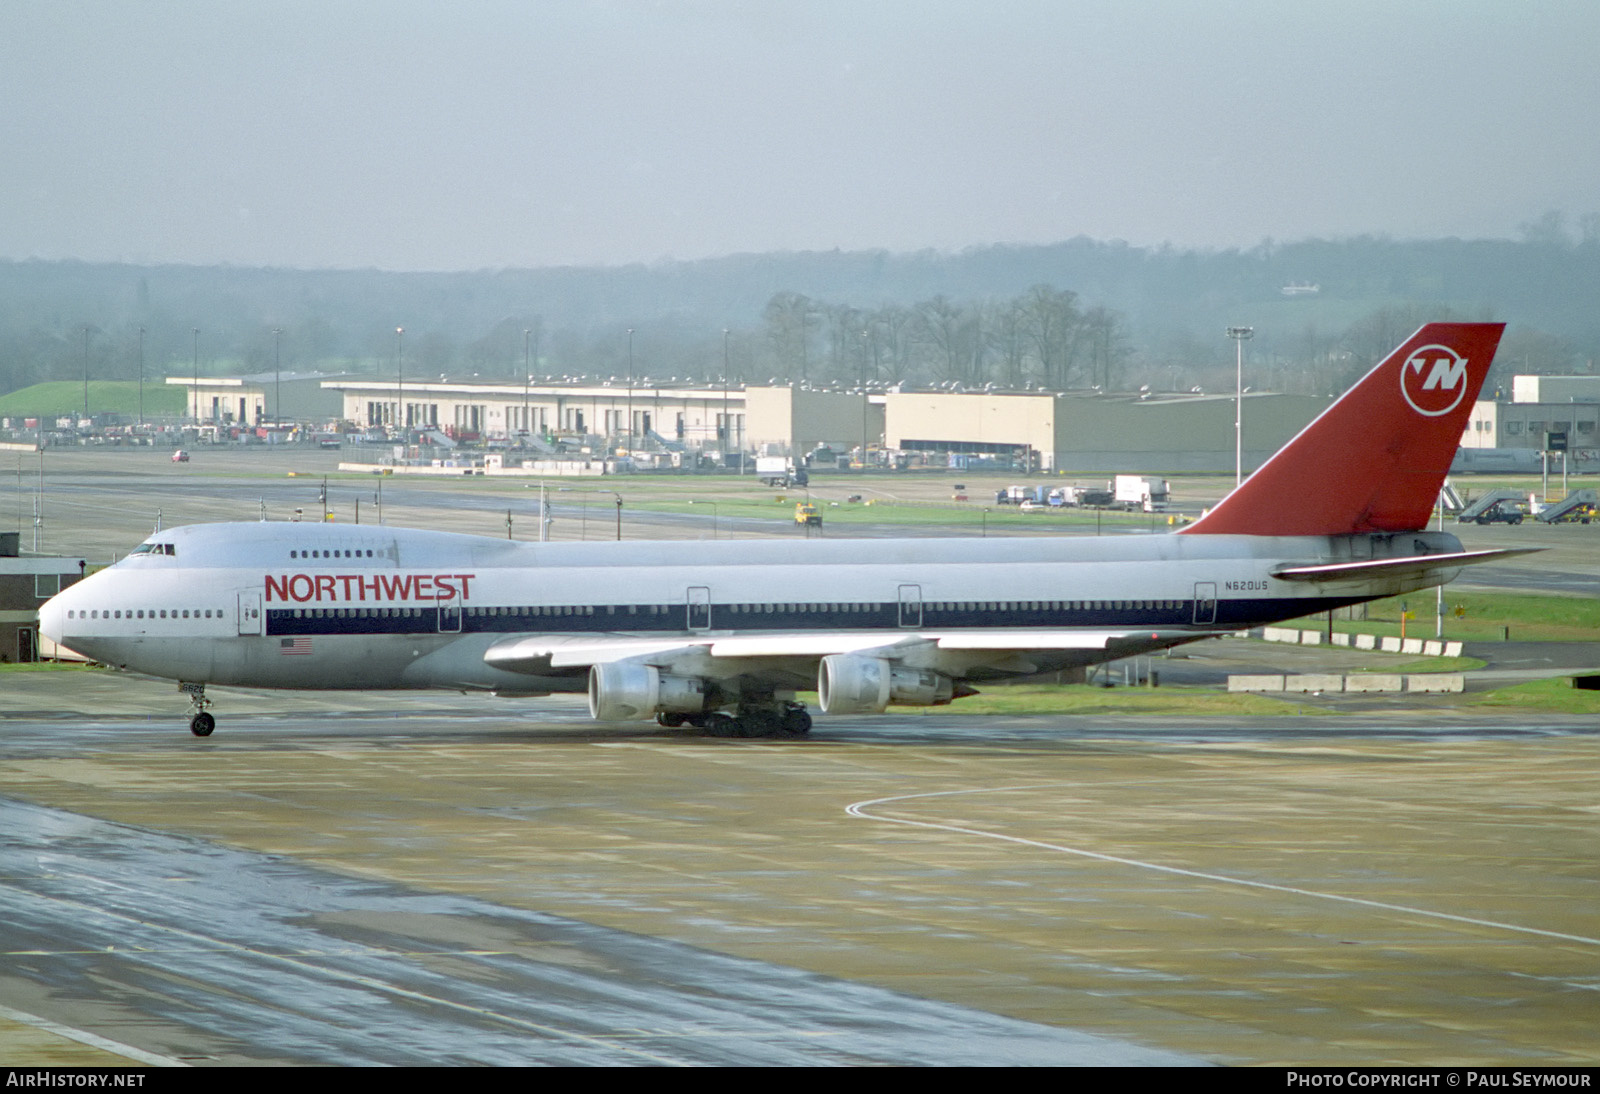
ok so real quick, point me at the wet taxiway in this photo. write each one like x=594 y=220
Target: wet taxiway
x=447 y=879
x=401 y=878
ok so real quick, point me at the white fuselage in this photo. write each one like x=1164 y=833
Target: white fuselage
x=324 y=606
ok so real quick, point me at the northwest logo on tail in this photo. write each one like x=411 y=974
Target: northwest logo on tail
x=1434 y=380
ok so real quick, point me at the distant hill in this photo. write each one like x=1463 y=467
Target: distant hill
x=1173 y=305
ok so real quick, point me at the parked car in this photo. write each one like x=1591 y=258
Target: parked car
x=180 y=456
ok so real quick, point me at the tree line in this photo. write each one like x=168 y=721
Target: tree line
x=1043 y=338
x=1078 y=314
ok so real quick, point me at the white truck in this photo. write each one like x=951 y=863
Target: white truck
x=780 y=471
x=1139 y=492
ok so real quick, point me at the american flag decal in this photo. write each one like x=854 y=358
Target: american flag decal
x=290 y=646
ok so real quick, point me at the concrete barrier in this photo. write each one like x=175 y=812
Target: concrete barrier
x=1314 y=681
x=1255 y=683
x=1376 y=681
x=1436 y=682
x=1428 y=647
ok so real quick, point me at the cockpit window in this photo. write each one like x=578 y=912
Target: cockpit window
x=154 y=549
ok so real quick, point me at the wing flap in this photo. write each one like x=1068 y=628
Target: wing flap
x=557 y=654
x=1021 y=639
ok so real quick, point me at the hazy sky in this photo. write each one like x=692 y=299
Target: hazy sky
x=488 y=133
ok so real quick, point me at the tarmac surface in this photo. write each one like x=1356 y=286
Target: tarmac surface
x=434 y=878
x=448 y=879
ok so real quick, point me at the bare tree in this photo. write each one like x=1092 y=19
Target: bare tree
x=1050 y=319
x=789 y=317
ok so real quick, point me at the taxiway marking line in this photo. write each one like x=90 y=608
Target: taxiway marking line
x=93 y=1040
x=859 y=809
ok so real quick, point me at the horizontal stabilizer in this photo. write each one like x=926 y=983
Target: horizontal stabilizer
x=1397 y=567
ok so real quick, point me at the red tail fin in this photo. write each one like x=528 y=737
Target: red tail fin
x=1375 y=460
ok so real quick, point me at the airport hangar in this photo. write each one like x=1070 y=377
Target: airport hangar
x=1045 y=431
x=1076 y=431
x=1538 y=405
x=261 y=397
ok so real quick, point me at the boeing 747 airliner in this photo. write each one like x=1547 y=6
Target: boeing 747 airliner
x=721 y=635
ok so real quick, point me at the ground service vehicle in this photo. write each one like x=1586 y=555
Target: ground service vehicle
x=780 y=471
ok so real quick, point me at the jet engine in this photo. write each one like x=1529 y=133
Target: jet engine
x=626 y=691
x=851 y=684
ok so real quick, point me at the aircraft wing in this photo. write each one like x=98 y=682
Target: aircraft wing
x=797 y=653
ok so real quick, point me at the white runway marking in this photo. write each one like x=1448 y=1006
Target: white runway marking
x=93 y=1040
x=859 y=809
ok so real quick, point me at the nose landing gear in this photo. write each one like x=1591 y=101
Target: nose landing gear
x=201 y=723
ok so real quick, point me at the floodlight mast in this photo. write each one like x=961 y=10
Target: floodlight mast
x=1239 y=335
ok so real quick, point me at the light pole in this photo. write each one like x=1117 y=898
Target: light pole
x=866 y=337
x=86 y=372
x=277 y=376
x=527 y=372
x=141 y=378
x=727 y=422
x=630 y=394
x=196 y=331
x=400 y=379
x=1239 y=335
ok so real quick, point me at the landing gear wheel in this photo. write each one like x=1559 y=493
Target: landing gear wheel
x=718 y=724
x=796 y=722
x=671 y=719
x=200 y=723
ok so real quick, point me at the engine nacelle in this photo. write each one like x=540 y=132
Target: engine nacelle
x=626 y=691
x=851 y=684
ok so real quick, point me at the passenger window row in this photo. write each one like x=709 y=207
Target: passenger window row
x=147 y=613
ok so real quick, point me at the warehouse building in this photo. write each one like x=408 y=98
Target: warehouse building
x=1094 y=433
x=260 y=398
x=26 y=582
x=1539 y=405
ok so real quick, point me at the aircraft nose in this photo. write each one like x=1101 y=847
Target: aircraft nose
x=53 y=622
x=53 y=616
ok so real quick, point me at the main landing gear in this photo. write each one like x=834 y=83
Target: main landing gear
x=785 y=719
x=201 y=723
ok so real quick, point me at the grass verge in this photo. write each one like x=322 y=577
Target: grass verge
x=1552 y=696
